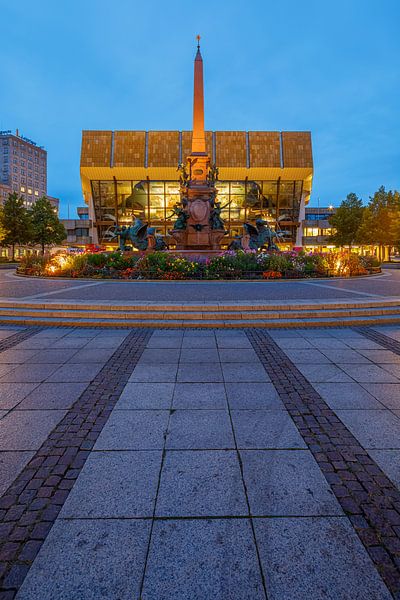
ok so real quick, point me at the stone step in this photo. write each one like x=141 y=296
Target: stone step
x=246 y=313
x=321 y=321
x=201 y=307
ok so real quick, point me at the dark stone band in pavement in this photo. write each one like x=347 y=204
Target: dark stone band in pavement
x=366 y=494
x=380 y=338
x=31 y=504
x=18 y=337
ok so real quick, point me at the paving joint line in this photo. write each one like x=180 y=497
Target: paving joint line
x=380 y=338
x=18 y=337
x=163 y=454
x=30 y=506
x=250 y=516
x=367 y=496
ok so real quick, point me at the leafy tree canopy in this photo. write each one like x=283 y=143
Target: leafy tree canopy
x=47 y=228
x=346 y=221
x=15 y=222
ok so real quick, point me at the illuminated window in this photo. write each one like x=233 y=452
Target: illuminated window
x=29 y=191
x=22 y=188
x=36 y=193
x=311 y=231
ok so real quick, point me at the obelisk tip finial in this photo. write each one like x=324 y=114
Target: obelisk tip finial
x=198 y=41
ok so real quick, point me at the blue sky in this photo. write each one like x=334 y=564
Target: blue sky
x=331 y=67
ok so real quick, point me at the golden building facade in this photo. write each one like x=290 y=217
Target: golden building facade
x=128 y=174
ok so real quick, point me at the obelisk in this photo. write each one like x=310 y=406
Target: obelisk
x=198 y=191
x=198 y=139
x=198 y=160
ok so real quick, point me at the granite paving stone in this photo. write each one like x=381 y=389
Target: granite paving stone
x=380 y=356
x=70 y=342
x=11 y=464
x=197 y=333
x=324 y=373
x=387 y=393
x=295 y=343
x=347 y=396
x=28 y=373
x=57 y=332
x=6 y=369
x=252 y=396
x=91 y=355
x=265 y=429
x=368 y=373
x=201 y=483
x=53 y=355
x=27 y=429
x=203 y=559
x=393 y=368
x=165 y=342
x=134 y=430
x=286 y=483
x=35 y=343
x=199 y=429
x=101 y=341
x=52 y=396
x=362 y=344
x=372 y=428
x=348 y=356
x=89 y=559
x=199 y=355
x=199 y=342
x=324 y=343
x=237 y=372
x=389 y=461
x=75 y=373
x=146 y=396
x=200 y=396
x=160 y=355
x=322 y=557
x=237 y=355
x=200 y=372
x=235 y=343
x=154 y=373
x=17 y=356
x=306 y=356
x=115 y=485
x=12 y=394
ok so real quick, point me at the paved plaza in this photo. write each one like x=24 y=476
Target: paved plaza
x=24 y=288
x=224 y=464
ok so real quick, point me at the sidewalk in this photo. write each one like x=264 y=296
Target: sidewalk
x=200 y=484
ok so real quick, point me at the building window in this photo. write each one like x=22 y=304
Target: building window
x=311 y=231
x=22 y=188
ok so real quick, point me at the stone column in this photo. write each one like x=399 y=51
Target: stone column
x=302 y=216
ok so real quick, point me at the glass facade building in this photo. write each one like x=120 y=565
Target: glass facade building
x=128 y=174
x=153 y=201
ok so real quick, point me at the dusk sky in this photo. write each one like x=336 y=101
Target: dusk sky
x=329 y=67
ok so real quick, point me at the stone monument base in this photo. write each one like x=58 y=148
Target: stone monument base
x=205 y=240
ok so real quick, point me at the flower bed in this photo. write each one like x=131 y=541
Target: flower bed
x=227 y=265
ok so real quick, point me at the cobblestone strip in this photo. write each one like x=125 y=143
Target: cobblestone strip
x=18 y=337
x=366 y=494
x=31 y=504
x=380 y=338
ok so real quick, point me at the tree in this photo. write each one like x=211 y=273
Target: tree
x=381 y=220
x=47 y=228
x=2 y=229
x=16 y=223
x=346 y=221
